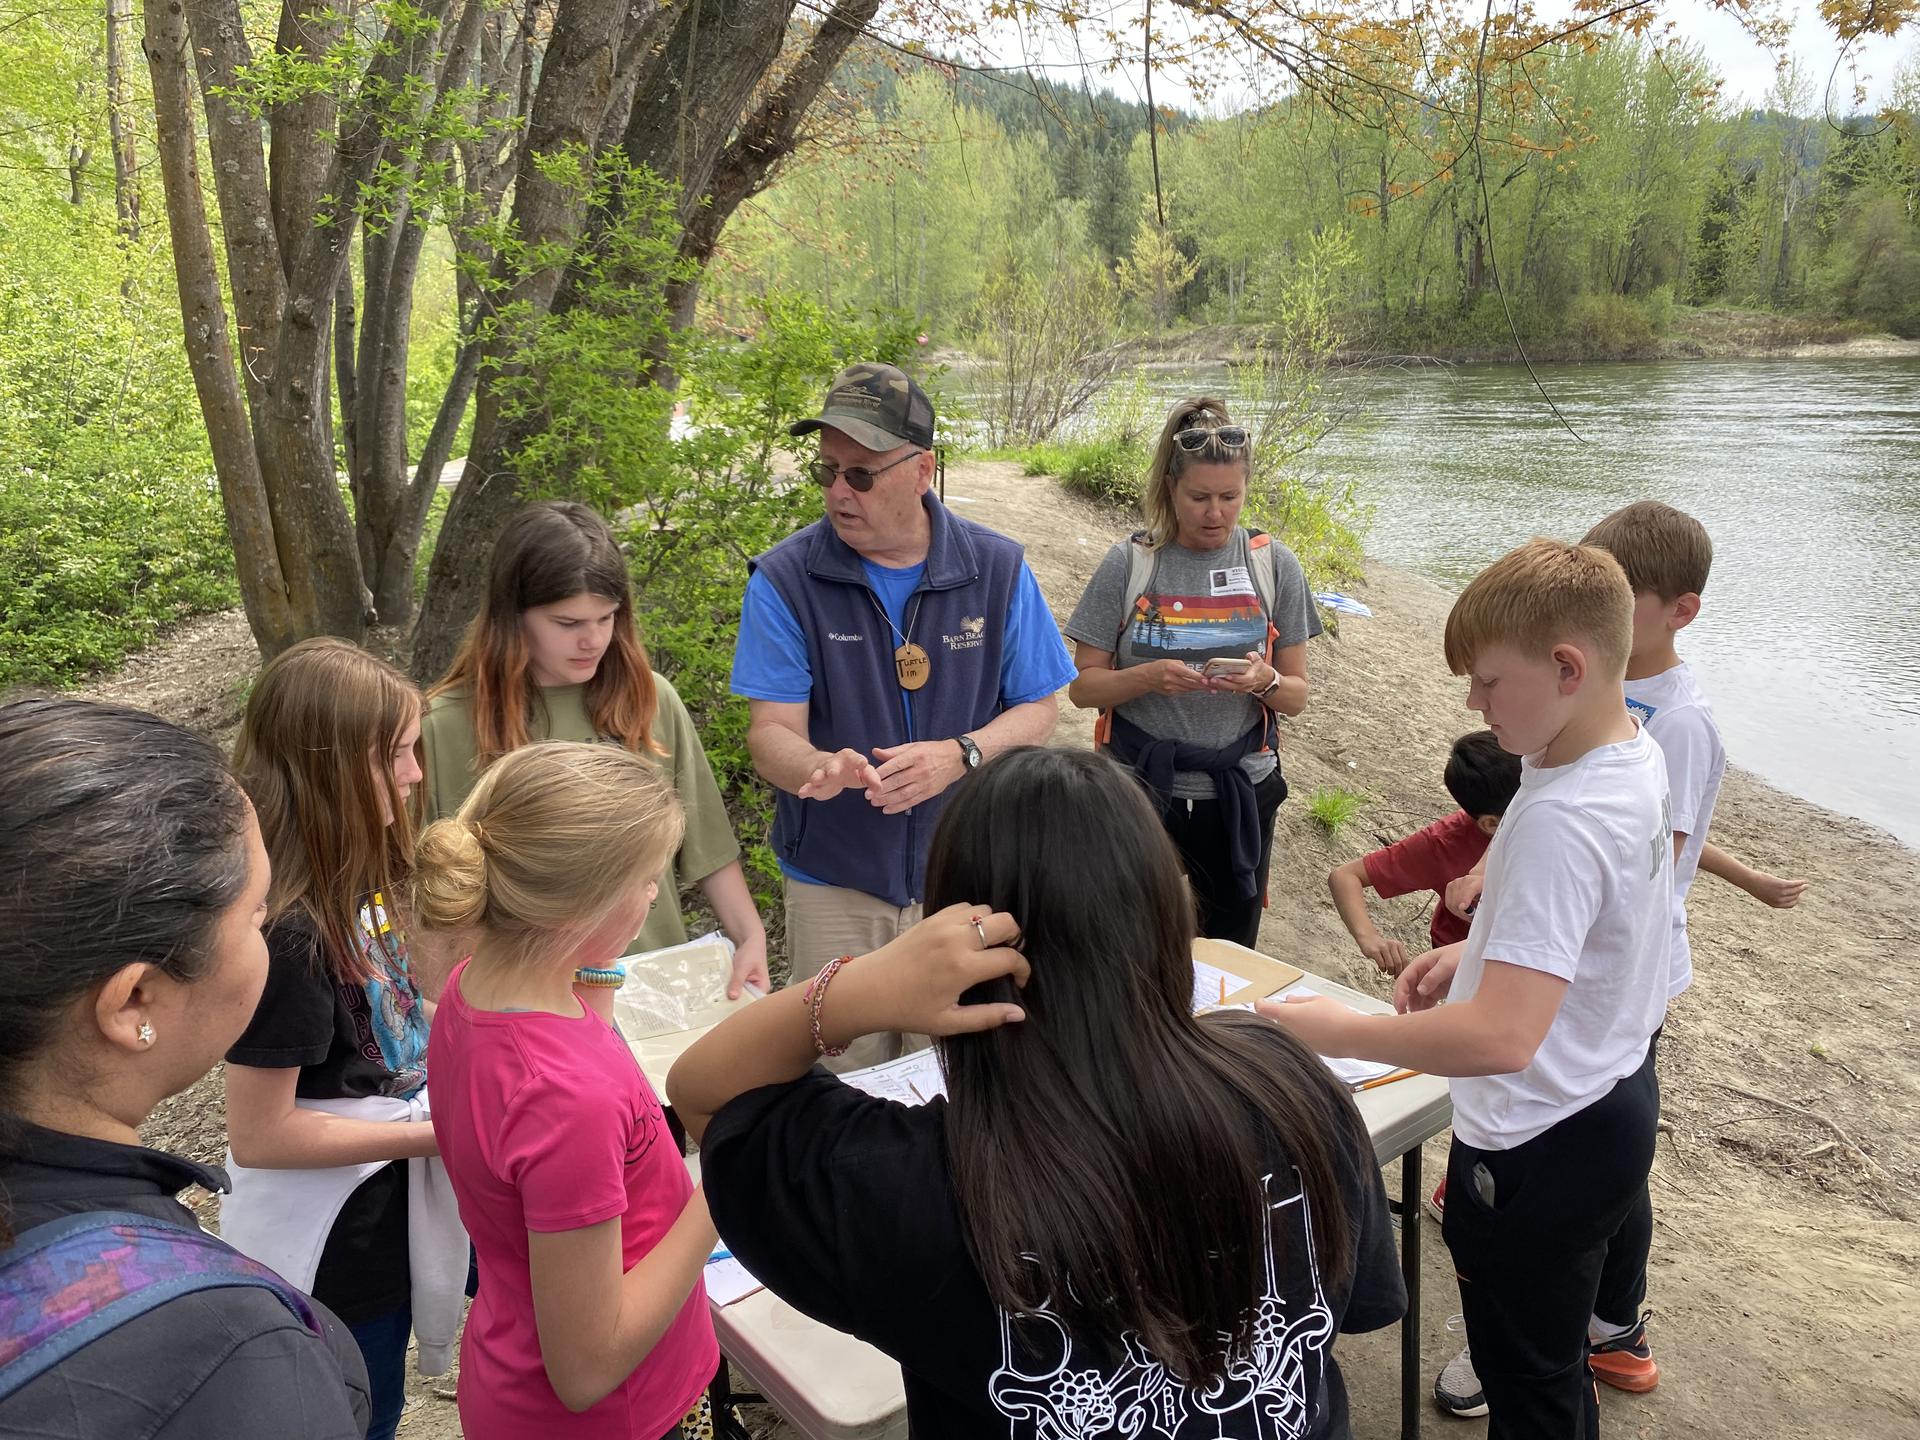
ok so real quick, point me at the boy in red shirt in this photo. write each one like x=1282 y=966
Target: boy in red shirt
x=1483 y=779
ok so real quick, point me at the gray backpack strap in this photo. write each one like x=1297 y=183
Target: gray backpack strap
x=1266 y=578
x=1140 y=563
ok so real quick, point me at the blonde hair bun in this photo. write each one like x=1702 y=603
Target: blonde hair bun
x=554 y=837
x=449 y=877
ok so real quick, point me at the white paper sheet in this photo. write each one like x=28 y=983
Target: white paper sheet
x=1211 y=985
x=912 y=1079
x=728 y=1280
x=1351 y=1072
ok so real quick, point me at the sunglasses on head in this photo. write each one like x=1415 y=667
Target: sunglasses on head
x=1199 y=437
x=857 y=476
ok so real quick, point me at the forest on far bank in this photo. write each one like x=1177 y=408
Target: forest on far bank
x=266 y=266
x=1618 y=186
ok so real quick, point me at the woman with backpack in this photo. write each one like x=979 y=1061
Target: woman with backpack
x=1191 y=637
x=133 y=885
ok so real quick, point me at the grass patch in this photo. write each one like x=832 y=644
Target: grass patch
x=1331 y=807
x=1107 y=469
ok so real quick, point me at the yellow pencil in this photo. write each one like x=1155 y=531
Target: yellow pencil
x=1223 y=989
x=1386 y=1079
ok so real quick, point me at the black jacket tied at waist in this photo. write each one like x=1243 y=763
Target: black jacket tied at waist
x=1156 y=758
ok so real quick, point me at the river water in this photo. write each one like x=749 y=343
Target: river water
x=1806 y=474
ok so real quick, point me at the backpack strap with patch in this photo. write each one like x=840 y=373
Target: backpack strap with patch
x=66 y=1283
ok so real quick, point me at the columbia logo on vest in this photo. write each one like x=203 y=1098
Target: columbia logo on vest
x=972 y=634
x=843 y=636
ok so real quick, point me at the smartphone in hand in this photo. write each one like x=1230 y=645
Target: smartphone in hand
x=1225 y=665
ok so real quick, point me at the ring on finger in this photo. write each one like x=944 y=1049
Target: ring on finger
x=981 y=931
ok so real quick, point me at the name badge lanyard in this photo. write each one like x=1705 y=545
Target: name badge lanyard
x=910 y=662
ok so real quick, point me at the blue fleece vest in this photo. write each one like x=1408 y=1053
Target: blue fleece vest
x=958 y=615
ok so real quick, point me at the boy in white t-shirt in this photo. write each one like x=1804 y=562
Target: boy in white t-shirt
x=1555 y=994
x=1666 y=556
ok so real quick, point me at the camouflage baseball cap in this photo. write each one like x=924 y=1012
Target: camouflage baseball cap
x=874 y=405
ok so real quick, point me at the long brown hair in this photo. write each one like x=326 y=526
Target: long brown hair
x=550 y=552
x=322 y=719
x=1108 y=1154
x=1169 y=463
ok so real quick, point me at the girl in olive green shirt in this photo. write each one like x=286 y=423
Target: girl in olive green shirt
x=554 y=655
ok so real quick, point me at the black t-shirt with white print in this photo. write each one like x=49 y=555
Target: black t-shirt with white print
x=843 y=1205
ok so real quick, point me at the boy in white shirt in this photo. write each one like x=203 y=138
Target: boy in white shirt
x=1666 y=556
x=1555 y=994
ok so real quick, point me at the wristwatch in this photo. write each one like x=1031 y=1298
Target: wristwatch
x=1262 y=697
x=969 y=753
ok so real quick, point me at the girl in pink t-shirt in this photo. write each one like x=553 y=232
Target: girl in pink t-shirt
x=591 y=1322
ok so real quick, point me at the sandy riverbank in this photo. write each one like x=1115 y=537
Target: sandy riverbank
x=1786 y=1268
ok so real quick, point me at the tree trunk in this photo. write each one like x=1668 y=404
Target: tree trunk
x=126 y=159
x=576 y=86
x=263 y=588
x=302 y=129
x=283 y=301
x=255 y=275
x=79 y=156
x=763 y=139
x=346 y=389
x=397 y=499
x=686 y=123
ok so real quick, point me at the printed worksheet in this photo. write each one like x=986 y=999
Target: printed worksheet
x=727 y=1280
x=912 y=1079
x=1212 y=985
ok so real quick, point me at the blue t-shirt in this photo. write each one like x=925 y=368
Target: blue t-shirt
x=770 y=655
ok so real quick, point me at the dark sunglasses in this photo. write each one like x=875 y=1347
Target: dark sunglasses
x=859 y=477
x=1227 y=437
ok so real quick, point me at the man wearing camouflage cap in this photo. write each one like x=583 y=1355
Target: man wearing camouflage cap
x=885 y=651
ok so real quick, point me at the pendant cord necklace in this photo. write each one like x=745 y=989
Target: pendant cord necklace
x=912 y=620
x=910 y=662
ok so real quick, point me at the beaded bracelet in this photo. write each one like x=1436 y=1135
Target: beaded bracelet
x=815 y=997
x=590 y=975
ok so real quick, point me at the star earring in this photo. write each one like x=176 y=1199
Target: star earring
x=146 y=1033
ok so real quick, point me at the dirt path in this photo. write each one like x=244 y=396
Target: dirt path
x=1786 y=1265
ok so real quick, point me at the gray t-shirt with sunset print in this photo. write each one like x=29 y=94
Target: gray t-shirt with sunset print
x=1197 y=605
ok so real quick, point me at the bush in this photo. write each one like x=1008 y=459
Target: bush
x=690 y=545
x=111 y=524
x=91 y=566
x=1281 y=397
x=1049 y=347
x=1107 y=469
x=1608 y=327
x=1107 y=461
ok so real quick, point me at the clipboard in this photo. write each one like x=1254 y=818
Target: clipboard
x=1264 y=975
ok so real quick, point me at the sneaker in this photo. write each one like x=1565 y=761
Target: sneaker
x=1437 y=1202
x=1626 y=1362
x=1457 y=1388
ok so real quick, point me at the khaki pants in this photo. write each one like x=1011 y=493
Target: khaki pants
x=826 y=920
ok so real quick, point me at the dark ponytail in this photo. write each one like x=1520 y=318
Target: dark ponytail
x=121 y=842
x=1108 y=1154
